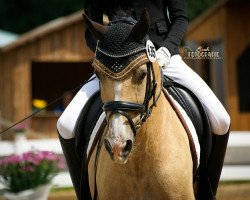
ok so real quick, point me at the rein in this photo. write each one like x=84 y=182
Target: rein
x=122 y=107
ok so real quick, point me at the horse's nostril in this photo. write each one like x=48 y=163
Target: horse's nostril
x=108 y=146
x=118 y=149
x=128 y=147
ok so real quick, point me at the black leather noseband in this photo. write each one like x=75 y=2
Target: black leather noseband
x=123 y=107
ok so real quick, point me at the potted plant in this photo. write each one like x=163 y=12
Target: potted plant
x=29 y=175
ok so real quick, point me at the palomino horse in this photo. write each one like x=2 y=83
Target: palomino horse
x=144 y=151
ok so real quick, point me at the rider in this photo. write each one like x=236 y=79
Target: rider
x=168 y=24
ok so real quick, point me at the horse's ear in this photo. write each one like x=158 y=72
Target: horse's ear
x=140 y=29
x=97 y=29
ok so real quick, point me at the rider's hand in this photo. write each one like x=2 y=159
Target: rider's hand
x=163 y=56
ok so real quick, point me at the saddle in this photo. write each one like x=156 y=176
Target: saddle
x=189 y=102
x=196 y=112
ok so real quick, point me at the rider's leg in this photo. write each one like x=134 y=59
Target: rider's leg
x=66 y=122
x=65 y=126
x=210 y=176
x=74 y=163
x=218 y=116
x=181 y=73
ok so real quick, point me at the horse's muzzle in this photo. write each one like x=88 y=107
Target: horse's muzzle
x=118 y=151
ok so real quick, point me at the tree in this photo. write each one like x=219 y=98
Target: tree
x=20 y=16
x=196 y=7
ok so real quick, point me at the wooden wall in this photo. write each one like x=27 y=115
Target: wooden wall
x=237 y=40
x=210 y=25
x=230 y=23
x=6 y=90
x=61 y=41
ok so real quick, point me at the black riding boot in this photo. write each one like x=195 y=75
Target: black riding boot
x=210 y=175
x=73 y=162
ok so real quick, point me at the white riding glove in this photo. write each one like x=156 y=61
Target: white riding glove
x=163 y=57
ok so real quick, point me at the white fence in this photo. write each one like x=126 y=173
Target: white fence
x=237 y=160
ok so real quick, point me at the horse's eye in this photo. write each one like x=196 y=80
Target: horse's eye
x=142 y=75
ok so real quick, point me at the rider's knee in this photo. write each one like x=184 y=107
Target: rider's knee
x=221 y=124
x=63 y=129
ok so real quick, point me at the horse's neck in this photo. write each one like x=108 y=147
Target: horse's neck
x=160 y=161
x=153 y=131
x=161 y=140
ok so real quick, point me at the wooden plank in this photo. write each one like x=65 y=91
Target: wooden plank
x=6 y=106
x=45 y=124
x=210 y=29
x=45 y=29
x=237 y=41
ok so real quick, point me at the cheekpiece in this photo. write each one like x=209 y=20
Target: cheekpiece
x=120 y=51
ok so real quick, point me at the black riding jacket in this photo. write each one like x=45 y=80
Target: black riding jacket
x=168 y=18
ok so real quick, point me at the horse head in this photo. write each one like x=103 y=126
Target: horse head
x=128 y=81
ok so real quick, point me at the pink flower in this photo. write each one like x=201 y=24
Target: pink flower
x=32 y=168
x=32 y=157
x=21 y=126
x=28 y=168
x=61 y=163
x=10 y=160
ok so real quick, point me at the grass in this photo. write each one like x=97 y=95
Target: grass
x=53 y=190
x=234 y=182
x=62 y=189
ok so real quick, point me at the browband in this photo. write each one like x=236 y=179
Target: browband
x=119 y=72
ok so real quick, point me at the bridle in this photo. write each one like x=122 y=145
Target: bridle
x=123 y=107
x=128 y=60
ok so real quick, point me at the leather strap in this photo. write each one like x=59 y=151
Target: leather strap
x=191 y=141
x=124 y=106
x=123 y=74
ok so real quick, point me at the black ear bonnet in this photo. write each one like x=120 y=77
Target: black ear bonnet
x=119 y=46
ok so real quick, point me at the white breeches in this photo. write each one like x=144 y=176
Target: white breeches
x=179 y=72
